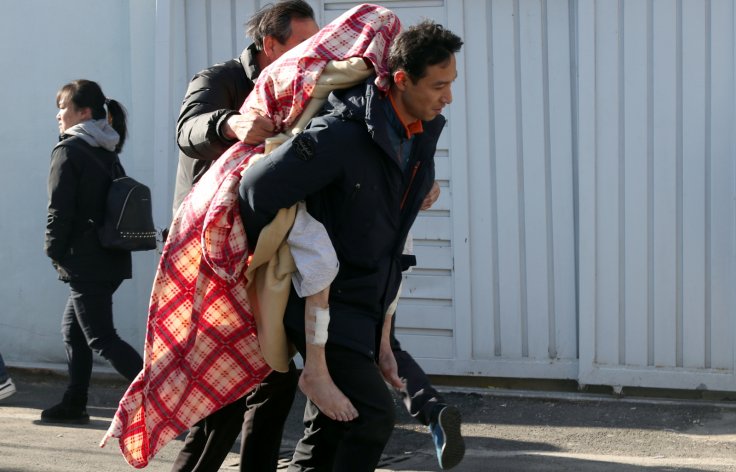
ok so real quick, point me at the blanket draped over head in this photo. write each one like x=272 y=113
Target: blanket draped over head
x=201 y=349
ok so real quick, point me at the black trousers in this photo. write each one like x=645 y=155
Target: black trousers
x=329 y=445
x=87 y=326
x=261 y=414
x=419 y=396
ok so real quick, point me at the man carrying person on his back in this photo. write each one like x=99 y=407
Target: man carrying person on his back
x=209 y=123
x=364 y=168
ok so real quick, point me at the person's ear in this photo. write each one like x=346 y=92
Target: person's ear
x=268 y=46
x=86 y=113
x=400 y=78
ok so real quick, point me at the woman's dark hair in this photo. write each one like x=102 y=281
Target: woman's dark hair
x=422 y=45
x=275 y=20
x=87 y=94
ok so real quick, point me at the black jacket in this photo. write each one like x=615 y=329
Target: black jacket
x=344 y=166
x=213 y=95
x=77 y=189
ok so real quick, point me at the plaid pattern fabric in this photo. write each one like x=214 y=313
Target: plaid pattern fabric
x=201 y=349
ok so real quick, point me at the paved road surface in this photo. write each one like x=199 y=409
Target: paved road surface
x=505 y=431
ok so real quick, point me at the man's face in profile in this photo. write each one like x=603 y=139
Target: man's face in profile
x=426 y=98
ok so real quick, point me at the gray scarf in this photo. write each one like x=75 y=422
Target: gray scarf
x=97 y=133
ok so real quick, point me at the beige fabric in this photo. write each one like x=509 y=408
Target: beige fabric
x=269 y=282
x=269 y=271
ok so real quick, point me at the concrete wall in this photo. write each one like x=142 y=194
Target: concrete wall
x=44 y=44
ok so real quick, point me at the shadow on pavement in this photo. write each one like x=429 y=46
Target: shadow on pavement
x=622 y=413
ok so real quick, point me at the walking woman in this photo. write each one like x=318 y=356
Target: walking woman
x=93 y=130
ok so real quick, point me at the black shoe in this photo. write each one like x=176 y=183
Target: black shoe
x=447 y=438
x=65 y=412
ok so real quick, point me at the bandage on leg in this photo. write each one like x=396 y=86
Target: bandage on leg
x=316 y=324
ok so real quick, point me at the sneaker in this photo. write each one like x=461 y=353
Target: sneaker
x=65 y=413
x=447 y=438
x=7 y=388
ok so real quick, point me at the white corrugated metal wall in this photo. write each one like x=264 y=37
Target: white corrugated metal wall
x=656 y=193
x=586 y=222
x=521 y=200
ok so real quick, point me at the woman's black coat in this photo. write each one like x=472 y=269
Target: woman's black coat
x=79 y=178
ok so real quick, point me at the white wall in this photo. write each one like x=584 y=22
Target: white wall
x=44 y=44
x=520 y=188
x=657 y=193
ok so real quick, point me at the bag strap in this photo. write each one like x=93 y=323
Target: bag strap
x=76 y=142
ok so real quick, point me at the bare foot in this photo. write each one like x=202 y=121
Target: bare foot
x=318 y=386
x=315 y=381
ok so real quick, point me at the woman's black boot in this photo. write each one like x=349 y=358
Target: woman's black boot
x=71 y=410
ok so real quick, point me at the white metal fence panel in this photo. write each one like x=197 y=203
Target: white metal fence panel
x=520 y=187
x=656 y=114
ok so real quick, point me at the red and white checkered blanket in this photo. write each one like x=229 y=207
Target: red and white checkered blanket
x=201 y=349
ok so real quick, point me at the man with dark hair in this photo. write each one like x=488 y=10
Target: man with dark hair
x=209 y=123
x=364 y=167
